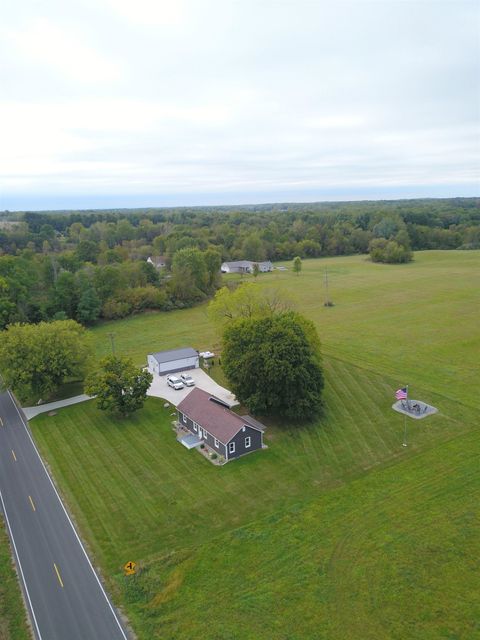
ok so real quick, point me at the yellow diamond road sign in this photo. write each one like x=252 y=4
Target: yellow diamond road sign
x=130 y=568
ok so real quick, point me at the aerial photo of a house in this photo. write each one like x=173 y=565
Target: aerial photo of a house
x=214 y=425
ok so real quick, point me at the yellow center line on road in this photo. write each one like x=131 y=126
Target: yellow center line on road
x=31 y=502
x=58 y=575
x=1 y=422
x=14 y=456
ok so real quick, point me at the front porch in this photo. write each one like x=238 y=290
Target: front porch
x=193 y=441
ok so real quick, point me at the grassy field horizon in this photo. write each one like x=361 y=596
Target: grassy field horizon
x=336 y=531
x=399 y=319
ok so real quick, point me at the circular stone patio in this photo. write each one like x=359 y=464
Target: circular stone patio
x=414 y=408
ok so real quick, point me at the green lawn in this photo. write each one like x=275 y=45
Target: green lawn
x=336 y=531
x=418 y=323
x=13 y=622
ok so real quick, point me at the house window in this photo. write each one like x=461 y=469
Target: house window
x=185 y=418
x=231 y=447
x=216 y=443
x=248 y=442
x=195 y=426
x=205 y=434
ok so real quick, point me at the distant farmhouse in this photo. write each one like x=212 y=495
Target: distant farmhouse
x=159 y=262
x=164 y=362
x=210 y=422
x=245 y=266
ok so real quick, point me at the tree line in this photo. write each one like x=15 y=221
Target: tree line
x=90 y=265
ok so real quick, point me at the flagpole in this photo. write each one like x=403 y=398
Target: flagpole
x=405 y=423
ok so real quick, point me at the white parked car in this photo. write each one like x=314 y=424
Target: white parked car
x=187 y=380
x=206 y=354
x=174 y=382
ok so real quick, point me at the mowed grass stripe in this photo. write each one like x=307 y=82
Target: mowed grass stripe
x=139 y=480
x=369 y=403
x=347 y=564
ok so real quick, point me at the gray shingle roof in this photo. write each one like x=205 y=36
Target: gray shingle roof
x=216 y=418
x=174 y=354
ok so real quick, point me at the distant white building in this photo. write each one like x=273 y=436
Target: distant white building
x=159 y=262
x=245 y=266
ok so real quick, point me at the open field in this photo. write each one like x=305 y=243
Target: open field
x=336 y=531
x=416 y=322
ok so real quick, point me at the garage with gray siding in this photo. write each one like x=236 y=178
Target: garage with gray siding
x=164 y=362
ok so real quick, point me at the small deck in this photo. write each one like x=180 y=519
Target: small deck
x=192 y=441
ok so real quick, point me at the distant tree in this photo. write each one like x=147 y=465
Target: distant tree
x=36 y=359
x=7 y=307
x=89 y=305
x=192 y=259
x=159 y=245
x=120 y=387
x=108 y=281
x=213 y=262
x=273 y=364
x=150 y=272
x=87 y=251
x=297 y=265
x=64 y=294
x=246 y=301
x=253 y=248
x=389 y=251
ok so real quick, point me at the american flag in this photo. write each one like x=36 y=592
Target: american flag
x=401 y=394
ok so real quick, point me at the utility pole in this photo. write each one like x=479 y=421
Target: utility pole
x=327 y=302
x=112 y=340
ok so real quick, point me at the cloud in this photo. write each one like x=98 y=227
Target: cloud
x=230 y=97
x=55 y=48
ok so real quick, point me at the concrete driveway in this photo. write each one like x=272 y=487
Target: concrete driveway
x=160 y=389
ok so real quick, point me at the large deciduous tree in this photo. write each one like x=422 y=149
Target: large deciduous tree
x=273 y=364
x=120 y=387
x=36 y=359
x=246 y=301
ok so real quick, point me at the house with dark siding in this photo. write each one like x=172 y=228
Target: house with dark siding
x=213 y=424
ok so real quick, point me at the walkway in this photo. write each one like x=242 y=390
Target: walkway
x=31 y=412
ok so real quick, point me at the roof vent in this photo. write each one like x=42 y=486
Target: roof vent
x=220 y=402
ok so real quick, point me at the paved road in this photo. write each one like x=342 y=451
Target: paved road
x=64 y=594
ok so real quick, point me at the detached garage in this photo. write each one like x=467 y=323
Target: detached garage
x=165 y=362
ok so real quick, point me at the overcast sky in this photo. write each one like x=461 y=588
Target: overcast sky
x=157 y=103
